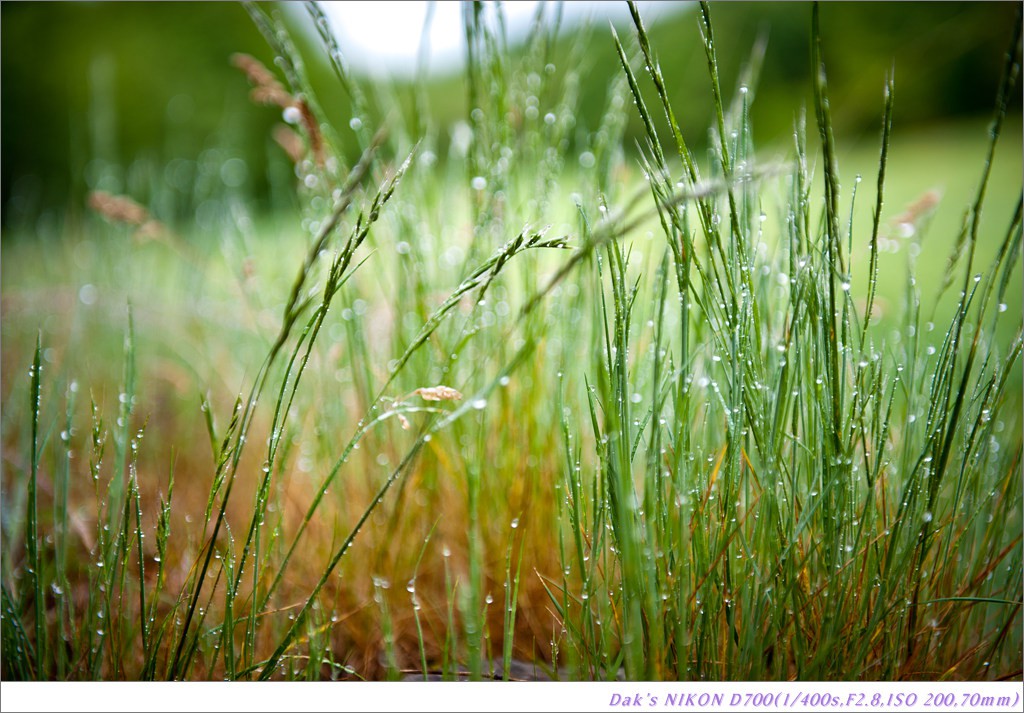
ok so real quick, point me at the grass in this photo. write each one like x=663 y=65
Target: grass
x=528 y=409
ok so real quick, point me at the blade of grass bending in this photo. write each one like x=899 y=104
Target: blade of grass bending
x=517 y=359
x=194 y=642
x=300 y=618
x=339 y=275
x=322 y=491
x=289 y=385
x=291 y=313
x=1011 y=70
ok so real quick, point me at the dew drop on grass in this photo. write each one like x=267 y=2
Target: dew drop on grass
x=504 y=381
x=1003 y=307
x=479 y=404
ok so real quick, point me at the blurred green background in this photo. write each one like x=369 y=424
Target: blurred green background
x=140 y=98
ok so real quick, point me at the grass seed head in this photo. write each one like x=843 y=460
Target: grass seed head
x=265 y=87
x=291 y=142
x=118 y=209
x=438 y=393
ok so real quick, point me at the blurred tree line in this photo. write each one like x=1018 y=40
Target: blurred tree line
x=140 y=98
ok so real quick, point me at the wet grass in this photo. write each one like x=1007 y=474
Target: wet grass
x=528 y=410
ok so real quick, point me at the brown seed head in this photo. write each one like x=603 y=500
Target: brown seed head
x=291 y=142
x=119 y=209
x=438 y=393
x=265 y=87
